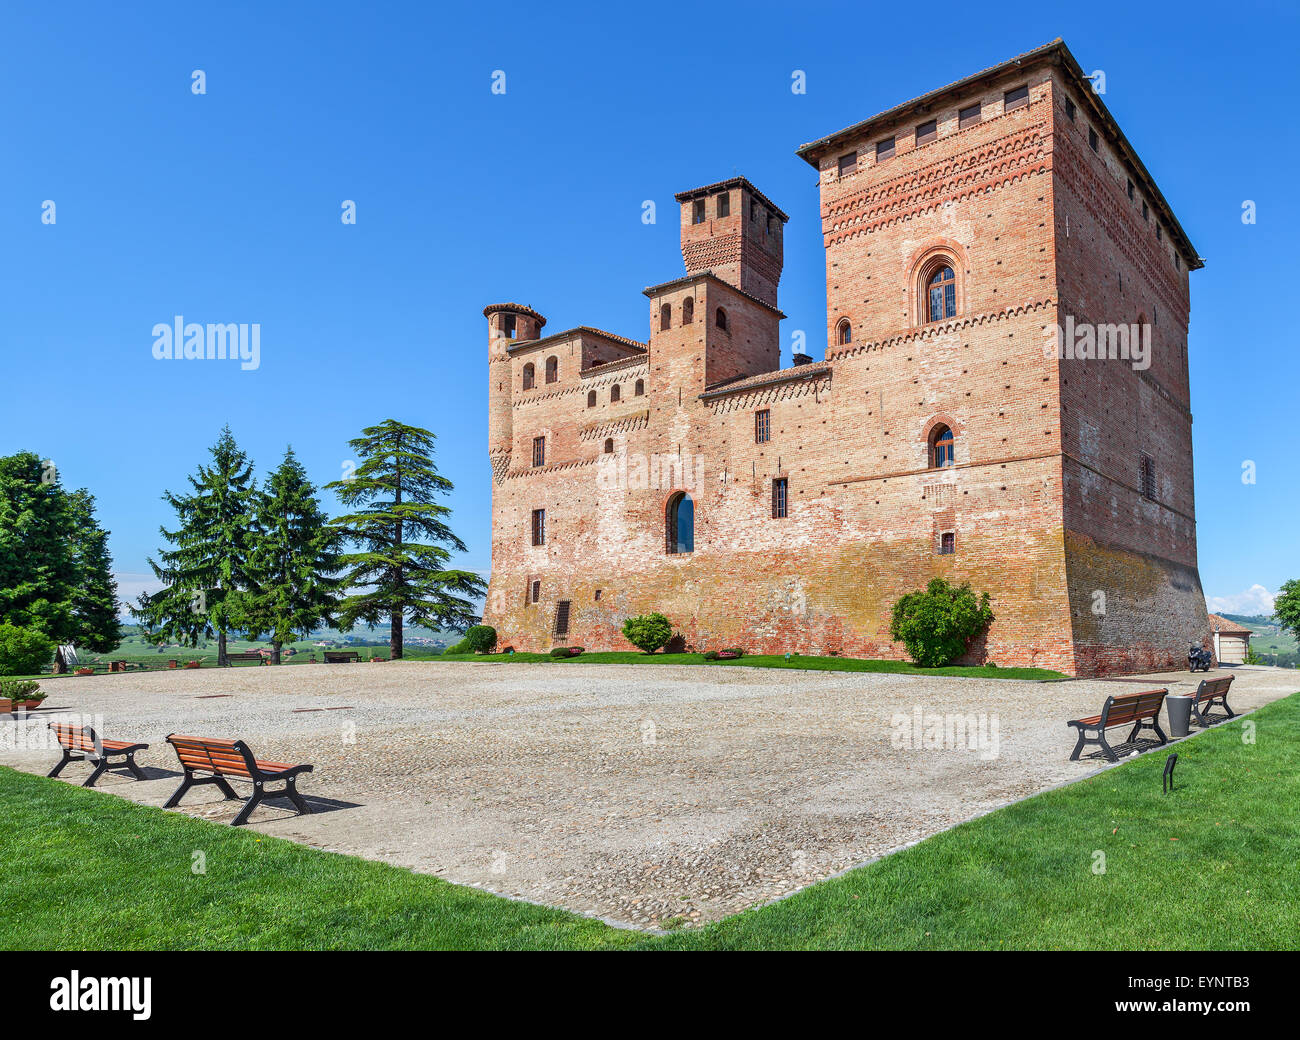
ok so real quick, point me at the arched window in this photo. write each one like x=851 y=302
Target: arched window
x=939 y=291
x=609 y=445
x=552 y=369
x=680 y=524
x=720 y=319
x=591 y=399
x=615 y=393
x=665 y=317
x=688 y=309
x=640 y=387
x=844 y=332
x=528 y=376
x=942 y=447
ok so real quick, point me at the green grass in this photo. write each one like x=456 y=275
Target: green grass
x=798 y=661
x=1210 y=866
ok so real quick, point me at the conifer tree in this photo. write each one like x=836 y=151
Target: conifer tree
x=397 y=575
x=96 y=625
x=294 y=561
x=205 y=572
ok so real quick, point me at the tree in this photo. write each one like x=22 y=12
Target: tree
x=205 y=573
x=396 y=576
x=294 y=561
x=937 y=625
x=23 y=651
x=56 y=574
x=648 y=632
x=1286 y=607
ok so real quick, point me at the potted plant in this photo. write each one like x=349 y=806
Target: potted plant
x=84 y=671
x=22 y=693
x=191 y=664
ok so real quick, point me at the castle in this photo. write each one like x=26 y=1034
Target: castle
x=1004 y=401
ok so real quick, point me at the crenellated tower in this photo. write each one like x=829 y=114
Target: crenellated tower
x=508 y=323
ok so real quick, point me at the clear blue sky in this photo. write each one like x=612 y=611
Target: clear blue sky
x=225 y=207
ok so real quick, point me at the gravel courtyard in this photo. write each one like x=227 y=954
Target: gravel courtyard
x=638 y=793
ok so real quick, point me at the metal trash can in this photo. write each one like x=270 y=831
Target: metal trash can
x=1179 y=706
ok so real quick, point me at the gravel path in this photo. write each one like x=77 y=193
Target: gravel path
x=637 y=793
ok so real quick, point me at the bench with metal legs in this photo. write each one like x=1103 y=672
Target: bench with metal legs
x=222 y=760
x=1140 y=709
x=82 y=743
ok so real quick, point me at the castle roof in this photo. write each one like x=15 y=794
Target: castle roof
x=1056 y=52
x=519 y=308
x=783 y=375
x=734 y=182
x=622 y=341
x=651 y=290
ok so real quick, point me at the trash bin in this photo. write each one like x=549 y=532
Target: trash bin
x=1179 y=706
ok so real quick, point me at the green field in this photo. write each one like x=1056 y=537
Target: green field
x=1209 y=866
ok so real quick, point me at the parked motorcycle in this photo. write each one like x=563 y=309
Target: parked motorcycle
x=1199 y=659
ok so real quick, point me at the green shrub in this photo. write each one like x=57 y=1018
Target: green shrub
x=22 y=651
x=938 y=624
x=21 y=690
x=458 y=648
x=566 y=651
x=648 y=632
x=481 y=639
x=710 y=655
x=734 y=650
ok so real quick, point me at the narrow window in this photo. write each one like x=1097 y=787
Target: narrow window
x=1146 y=212
x=720 y=319
x=724 y=205
x=763 y=426
x=1092 y=139
x=562 y=618
x=780 y=488
x=1149 y=477
x=947 y=543
x=927 y=132
x=609 y=445
x=552 y=369
x=941 y=294
x=1014 y=99
x=665 y=317
x=688 y=310
x=697 y=212
x=539 y=451
x=848 y=164
x=942 y=447
x=615 y=393
x=753 y=211
x=1160 y=232
x=591 y=399
x=598 y=591
x=680 y=524
x=884 y=149
x=640 y=387
x=529 y=376
x=968 y=117
x=539 y=526
x=1069 y=110
x=537 y=591
x=508 y=326
x=844 y=332
x=1130 y=190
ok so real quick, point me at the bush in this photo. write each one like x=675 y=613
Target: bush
x=734 y=650
x=21 y=690
x=648 y=632
x=937 y=625
x=23 y=652
x=710 y=655
x=566 y=651
x=458 y=648
x=481 y=639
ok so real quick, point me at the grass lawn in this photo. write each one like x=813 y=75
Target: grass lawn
x=1211 y=865
x=814 y=664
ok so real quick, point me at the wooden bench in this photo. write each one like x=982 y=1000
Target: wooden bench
x=1207 y=694
x=244 y=656
x=342 y=656
x=82 y=743
x=222 y=760
x=1142 y=710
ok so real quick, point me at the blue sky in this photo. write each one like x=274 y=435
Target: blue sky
x=225 y=208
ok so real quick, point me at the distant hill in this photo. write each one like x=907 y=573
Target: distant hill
x=1270 y=641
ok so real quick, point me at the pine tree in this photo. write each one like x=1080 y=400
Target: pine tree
x=294 y=562
x=205 y=573
x=396 y=575
x=95 y=608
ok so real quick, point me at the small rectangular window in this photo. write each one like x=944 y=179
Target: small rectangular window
x=1130 y=190
x=539 y=451
x=947 y=543
x=780 y=488
x=1014 y=99
x=1160 y=232
x=1069 y=110
x=753 y=211
x=884 y=149
x=536 y=591
x=539 y=526
x=562 y=618
x=697 y=212
x=848 y=164
x=1146 y=213
x=598 y=595
x=968 y=117
x=927 y=132
x=762 y=426
x=1092 y=139
x=1148 y=477
x=724 y=205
